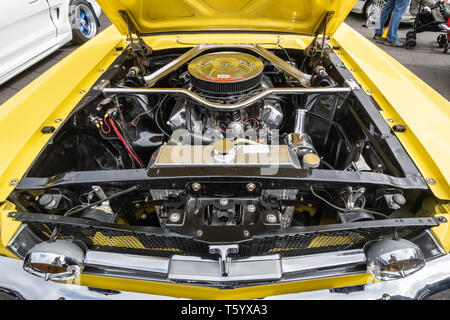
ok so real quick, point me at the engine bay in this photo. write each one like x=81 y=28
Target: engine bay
x=223 y=143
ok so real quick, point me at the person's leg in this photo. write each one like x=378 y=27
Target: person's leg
x=384 y=16
x=397 y=15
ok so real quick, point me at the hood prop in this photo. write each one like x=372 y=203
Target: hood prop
x=141 y=50
x=314 y=48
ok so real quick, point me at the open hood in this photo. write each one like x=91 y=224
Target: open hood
x=294 y=16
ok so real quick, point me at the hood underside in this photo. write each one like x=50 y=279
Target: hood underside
x=294 y=16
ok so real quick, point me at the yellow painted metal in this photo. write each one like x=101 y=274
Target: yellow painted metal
x=296 y=16
x=52 y=96
x=442 y=233
x=408 y=101
x=205 y=293
x=161 y=42
x=8 y=228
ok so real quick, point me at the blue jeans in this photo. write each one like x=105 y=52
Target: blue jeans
x=398 y=9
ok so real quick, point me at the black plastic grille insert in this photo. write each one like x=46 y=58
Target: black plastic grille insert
x=160 y=245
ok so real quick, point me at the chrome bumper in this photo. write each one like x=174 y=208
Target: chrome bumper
x=21 y=284
x=435 y=276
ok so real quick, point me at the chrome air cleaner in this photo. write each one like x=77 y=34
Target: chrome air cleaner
x=226 y=72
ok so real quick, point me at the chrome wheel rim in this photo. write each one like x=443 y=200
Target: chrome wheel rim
x=85 y=21
x=374 y=12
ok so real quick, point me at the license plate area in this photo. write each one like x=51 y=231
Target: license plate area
x=182 y=268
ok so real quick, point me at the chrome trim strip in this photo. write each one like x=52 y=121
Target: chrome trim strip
x=262 y=268
x=303 y=78
x=224 y=107
x=190 y=268
x=124 y=262
x=323 y=261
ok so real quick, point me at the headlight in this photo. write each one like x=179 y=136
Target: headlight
x=390 y=259
x=60 y=260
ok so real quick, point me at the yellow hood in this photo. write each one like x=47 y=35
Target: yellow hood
x=294 y=16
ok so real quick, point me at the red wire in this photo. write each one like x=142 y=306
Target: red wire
x=251 y=119
x=121 y=138
x=103 y=130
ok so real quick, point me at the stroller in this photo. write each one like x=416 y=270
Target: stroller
x=431 y=16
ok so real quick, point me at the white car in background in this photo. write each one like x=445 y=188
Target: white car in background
x=30 y=30
x=374 y=7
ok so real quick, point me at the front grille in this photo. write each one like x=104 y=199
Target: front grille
x=321 y=242
x=286 y=244
x=118 y=241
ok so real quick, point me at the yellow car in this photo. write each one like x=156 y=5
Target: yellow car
x=218 y=149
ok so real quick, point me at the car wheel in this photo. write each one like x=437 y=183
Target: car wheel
x=368 y=8
x=83 y=21
x=373 y=6
x=372 y=12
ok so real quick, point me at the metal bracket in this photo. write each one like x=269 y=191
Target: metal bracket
x=99 y=192
x=352 y=84
x=224 y=260
x=354 y=196
x=141 y=49
x=314 y=47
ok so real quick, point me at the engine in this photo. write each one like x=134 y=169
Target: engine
x=227 y=78
x=221 y=143
x=233 y=107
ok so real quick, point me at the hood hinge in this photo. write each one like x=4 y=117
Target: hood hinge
x=140 y=49
x=314 y=48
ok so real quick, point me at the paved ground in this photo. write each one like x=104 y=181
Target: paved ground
x=427 y=60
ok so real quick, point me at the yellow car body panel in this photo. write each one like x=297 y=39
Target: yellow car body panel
x=207 y=293
x=293 y=16
x=48 y=101
x=56 y=93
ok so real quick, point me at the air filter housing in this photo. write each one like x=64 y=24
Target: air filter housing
x=226 y=72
